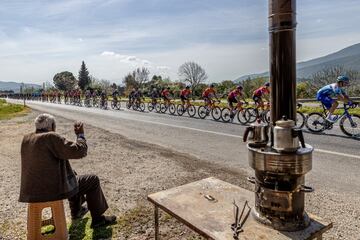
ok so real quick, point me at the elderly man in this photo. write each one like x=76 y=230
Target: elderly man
x=46 y=174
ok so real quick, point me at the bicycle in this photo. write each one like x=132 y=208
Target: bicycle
x=103 y=103
x=152 y=105
x=205 y=110
x=349 y=123
x=239 y=111
x=300 y=117
x=115 y=104
x=190 y=109
x=252 y=113
x=168 y=105
x=138 y=105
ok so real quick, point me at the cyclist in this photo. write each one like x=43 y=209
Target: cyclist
x=184 y=96
x=209 y=94
x=137 y=95
x=325 y=94
x=115 y=96
x=103 y=97
x=154 y=94
x=261 y=92
x=131 y=97
x=165 y=93
x=234 y=97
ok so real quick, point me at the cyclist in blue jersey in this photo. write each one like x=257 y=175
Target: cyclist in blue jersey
x=325 y=94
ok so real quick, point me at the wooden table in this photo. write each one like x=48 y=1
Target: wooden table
x=212 y=219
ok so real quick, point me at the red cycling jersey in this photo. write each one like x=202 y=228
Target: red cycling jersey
x=260 y=91
x=208 y=91
x=165 y=93
x=234 y=93
x=185 y=92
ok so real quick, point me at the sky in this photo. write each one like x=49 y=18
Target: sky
x=228 y=38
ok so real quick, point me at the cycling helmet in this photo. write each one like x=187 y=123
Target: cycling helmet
x=212 y=85
x=267 y=84
x=239 y=87
x=187 y=87
x=168 y=88
x=343 y=78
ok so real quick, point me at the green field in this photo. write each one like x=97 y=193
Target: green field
x=8 y=110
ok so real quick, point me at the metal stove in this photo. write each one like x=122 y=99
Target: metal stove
x=277 y=152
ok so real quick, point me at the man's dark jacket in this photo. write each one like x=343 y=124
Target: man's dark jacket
x=46 y=174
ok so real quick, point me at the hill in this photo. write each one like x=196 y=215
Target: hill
x=14 y=86
x=348 y=57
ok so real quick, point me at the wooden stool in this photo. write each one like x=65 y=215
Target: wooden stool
x=35 y=221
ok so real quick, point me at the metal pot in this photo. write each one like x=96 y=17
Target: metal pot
x=259 y=134
x=287 y=137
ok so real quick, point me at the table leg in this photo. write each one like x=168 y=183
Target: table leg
x=156 y=213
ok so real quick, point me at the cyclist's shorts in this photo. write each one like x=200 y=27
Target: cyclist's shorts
x=183 y=98
x=256 y=99
x=326 y=100
x=232 y=100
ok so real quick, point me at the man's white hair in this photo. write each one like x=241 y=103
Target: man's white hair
x=45 y=122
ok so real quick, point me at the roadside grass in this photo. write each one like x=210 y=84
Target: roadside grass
x=339 y=111
x=9 y=110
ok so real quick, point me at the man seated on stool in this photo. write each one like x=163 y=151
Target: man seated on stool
x=46 y=174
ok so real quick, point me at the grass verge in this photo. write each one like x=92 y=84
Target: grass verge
x=9 y=110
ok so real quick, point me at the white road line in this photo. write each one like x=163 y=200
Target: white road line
x=336 y=153
x=237 y=136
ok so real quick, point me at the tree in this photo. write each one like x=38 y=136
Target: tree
x=141 y=76
x=137 y=78
x=192 y=73
x=129 y=81
x=225 y=86
x=64 y=81
x=84 y=78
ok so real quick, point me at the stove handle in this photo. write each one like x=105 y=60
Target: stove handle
x=306 y=189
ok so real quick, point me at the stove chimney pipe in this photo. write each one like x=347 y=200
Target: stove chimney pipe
x=282 y=26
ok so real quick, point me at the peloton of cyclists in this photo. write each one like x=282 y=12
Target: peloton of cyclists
x=325 y=94
x=154 y=94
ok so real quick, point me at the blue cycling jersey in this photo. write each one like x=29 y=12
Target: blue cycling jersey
x=331 y=90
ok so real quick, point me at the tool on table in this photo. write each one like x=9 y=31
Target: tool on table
x=240 y=220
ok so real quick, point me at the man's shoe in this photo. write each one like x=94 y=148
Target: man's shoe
x=80 y=213
x=103 y=221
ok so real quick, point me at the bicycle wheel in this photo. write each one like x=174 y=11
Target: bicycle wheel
x=202 y=112
x=128 y=105
x=300 y=120
x=265 y=116
x=350 y=125
x=141 y=107
x=158 y=107
x=191 y=110
x=241 y=116
x=135 y=106
x=216 y=113
x=250 y=115
x=172 y=108
x=180 y=109
x=150 y=107
x=315 y=122
x=225 y=114
x=163 y=108
x=113 y=105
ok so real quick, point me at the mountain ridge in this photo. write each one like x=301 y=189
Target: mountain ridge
x=348 y=57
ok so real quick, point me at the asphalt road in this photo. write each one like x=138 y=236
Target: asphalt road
x=336 y=159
